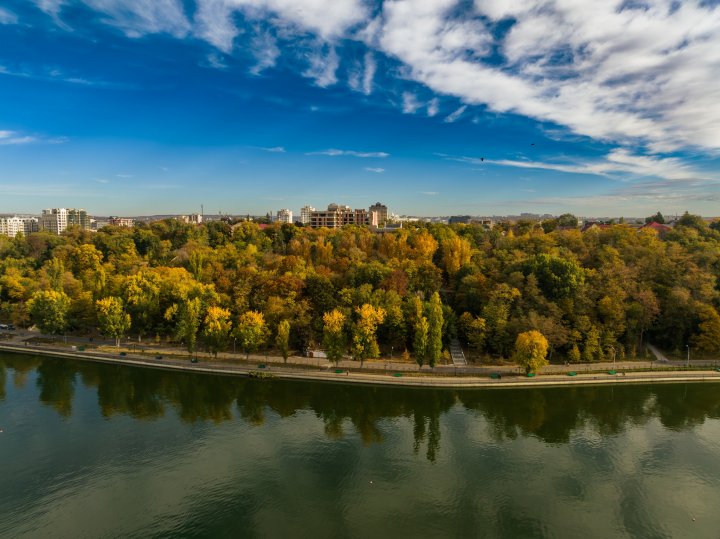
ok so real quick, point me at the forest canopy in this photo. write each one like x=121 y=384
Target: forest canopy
x=593 y=295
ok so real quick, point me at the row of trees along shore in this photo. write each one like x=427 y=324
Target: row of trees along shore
x=519 y=289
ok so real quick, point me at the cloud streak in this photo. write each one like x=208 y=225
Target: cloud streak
x=332 y=152
x=618 y=161
x=8 y=138
x=7 y=16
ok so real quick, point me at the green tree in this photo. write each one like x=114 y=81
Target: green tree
x=187 y=316
x=657 y=218
x=531 y=349
x=435 y=326
x=420 y=340
x=567 y=220
x=282 y=339
x=557 y=277
x=251 y=331
x=216 y=329
x=365 y=344
x=334 y=335
x=114 y=321
x=49 y=311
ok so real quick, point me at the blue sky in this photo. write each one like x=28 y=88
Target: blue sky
x=434 y=107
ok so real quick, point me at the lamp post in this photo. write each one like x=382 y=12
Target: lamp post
x=234 y=341
x=687 y=365
x=468 y=358
x=391 y=352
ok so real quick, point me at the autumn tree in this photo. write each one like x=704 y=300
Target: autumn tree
x=216 y=329
x=282 y=339
x=334 y=335
x=114 y=321
x=365 y=344
x=531 y=349
x=708 y=337
x=251 y=331
x=49 y=310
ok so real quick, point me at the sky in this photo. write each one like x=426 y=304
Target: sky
x=433 y=107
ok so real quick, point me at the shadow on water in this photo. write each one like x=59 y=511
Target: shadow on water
x=551 y=415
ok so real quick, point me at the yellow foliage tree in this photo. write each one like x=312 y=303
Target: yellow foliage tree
x=531 y=349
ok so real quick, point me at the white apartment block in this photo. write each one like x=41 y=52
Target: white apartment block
x=305 y=213
x=284 y=216
x=56 y=220
x=11 y=226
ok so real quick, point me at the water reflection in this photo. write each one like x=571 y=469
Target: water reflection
x=552 y=415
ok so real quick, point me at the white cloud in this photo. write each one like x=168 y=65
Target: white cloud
x=215 y=61
x=124 y=176
x=51 y=7
x=266 y=51
x=410 y=103
x=352 y=153
x=7 y=16
x=609 y=70
x=455 y=116
x=633 y=73
x=618 y=161
x=433 y=107
x=376 y=170
x=8 y=138
x=369 y=75
x=274 y=149
x=328 y=20
x=101 y=180
x=323 y=64
x=140 y=17
x=429 y=193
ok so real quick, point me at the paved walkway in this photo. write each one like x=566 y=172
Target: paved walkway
x=375 y=372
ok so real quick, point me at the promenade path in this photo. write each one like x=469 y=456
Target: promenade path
x=372 y=372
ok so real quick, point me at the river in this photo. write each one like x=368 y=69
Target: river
x=93 y=450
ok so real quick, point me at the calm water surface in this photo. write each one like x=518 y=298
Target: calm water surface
x=93 y=450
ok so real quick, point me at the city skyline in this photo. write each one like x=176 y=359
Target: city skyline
x=436 y=108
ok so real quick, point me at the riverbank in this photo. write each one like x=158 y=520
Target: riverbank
x=442 y=377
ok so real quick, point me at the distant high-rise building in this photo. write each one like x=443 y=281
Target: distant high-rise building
x=378 y=214
x=337 y=216
x=56 y=220
x=305 y=213
x=12 y=226
x=284 y=216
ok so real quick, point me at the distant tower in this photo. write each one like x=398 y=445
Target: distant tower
x=378 y=214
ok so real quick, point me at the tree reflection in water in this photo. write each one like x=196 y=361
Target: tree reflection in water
x=552 y=415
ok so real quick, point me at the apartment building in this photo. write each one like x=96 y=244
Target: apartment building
x=305 y=213
x=284 y=216
x=56 y=220
x=338 y=215
x=12 y=226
